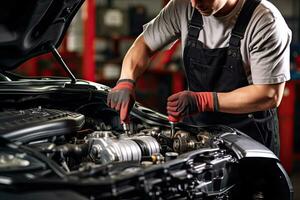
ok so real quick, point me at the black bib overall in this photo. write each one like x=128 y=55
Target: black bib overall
x=221 y=70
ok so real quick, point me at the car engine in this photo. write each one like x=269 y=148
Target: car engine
x=81 y=146
x=91 y=141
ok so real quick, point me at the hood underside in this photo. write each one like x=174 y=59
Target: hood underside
x=28 y=28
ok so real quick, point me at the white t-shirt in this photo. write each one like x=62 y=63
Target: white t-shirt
x=264 y=48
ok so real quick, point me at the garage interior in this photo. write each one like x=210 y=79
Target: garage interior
x=103 y=30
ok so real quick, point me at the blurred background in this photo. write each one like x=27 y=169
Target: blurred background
x=102 y=32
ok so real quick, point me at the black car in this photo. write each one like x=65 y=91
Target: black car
x=59 y=139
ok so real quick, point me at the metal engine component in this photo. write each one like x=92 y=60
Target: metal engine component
x=105 y=148
x=8 y=160
x=185 y=141
x=148 y=145
x=171 y=156
x=108 y=150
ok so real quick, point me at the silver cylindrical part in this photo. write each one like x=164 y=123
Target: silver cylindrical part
x=151 y=144
x=125 y=149
x=128 y=150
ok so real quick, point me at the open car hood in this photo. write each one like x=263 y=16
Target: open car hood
x=29 y=28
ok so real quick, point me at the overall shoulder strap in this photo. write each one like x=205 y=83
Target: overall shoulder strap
x=195 y=25
x=242 y=22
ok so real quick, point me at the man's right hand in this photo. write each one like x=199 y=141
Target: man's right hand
x=122 y=97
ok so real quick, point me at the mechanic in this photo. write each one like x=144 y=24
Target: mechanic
x=236 y=60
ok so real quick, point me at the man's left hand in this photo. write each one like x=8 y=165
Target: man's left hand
x=187 y=103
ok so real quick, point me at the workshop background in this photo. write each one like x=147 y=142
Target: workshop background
x=102 y=32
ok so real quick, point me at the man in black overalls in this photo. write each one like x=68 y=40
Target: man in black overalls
x=214 y=69
x=218 y=87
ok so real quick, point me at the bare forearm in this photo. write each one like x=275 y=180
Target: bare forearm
x=251 y=98
x=136 y=60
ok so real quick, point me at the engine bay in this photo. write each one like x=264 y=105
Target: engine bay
x=69 y=138
x=73 y=140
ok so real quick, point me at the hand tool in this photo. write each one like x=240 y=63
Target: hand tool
x=173 y=122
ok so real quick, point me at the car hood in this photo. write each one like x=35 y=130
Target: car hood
x=28 y=28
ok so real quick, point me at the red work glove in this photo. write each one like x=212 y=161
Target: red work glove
x=173 y=119
x=187 y=103
x=122 y=97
